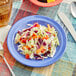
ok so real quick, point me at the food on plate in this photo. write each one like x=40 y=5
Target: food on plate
x=37 y=42
x=46 y=1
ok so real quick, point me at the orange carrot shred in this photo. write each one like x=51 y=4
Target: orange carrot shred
x=39 y=50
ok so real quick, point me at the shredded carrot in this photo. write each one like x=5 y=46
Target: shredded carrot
x=43 y=50
x=23 y=40
x=27 y=56
x=54 y=35
x=34 y=36
x=30 y=38
x=28 y=47
x=49 y=48
x=39 y=50
x=32 y=46
x=23 y=47
x=45 y=37
x=39 y=36
x=22 y=35
x=37 y=25
x=48 y=27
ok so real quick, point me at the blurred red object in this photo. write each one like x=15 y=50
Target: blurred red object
x=23 y=0
x=41 y=4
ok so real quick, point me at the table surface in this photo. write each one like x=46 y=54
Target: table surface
x=66 y=66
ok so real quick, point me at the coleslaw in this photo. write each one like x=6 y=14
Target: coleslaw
x=37 y=42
